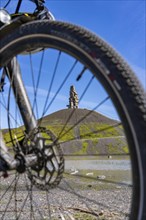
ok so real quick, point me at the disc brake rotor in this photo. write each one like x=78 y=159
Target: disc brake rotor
x=48 y=171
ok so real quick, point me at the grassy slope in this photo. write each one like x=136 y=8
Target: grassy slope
x=89 y=136
x=85 y=131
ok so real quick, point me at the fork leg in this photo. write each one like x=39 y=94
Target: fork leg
x=14 y=74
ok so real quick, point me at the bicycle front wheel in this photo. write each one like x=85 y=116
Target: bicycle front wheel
x=89 y=107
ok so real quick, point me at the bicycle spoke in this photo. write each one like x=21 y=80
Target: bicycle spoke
x=60 y=87
x=10 y=199
x=9 y=114
x=50 y=86
x=13 y=181
x=37 y=84
x=34 y=205
x=61 y=135
x=48 y=203
x=96 y=107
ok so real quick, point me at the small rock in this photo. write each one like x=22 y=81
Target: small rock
x=101 y=213
x=89 y=174
x=74 y=172
x=101 y=177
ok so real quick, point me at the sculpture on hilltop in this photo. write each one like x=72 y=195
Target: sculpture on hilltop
x=73 y=98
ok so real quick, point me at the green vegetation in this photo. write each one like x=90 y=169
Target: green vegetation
x=125 y=149
x=64 y=134
x=84 y=148
x=16 y=135
x=112 y=149
x=97 y=130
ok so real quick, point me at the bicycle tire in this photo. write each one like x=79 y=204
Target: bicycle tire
x=110 y=69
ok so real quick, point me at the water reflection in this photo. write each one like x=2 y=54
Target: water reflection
x=98 y=164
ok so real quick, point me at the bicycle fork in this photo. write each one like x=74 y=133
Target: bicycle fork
x=14 y=74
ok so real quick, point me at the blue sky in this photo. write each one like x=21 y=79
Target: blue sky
x=122 y=23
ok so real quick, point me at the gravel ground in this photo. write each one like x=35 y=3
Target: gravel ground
x=73 y=199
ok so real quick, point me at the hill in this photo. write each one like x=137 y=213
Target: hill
x=72 y=116
x=86 y=132
x=82 y=132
